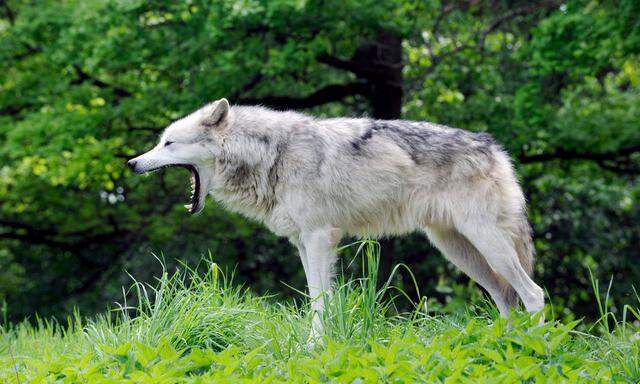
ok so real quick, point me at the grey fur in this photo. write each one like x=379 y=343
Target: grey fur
x=317 y=180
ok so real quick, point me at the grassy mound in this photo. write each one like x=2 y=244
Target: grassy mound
x=194 y=326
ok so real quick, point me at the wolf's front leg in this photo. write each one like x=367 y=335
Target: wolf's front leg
x=319 y=250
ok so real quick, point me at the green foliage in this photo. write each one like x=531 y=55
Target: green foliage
x=196 y=326
x=86 y=84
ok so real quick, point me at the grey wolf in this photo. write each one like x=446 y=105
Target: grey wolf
x=316 y=180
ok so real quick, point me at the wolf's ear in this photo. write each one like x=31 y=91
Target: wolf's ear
x=215 y=113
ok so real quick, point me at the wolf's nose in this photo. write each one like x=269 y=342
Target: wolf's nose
x=132 y=164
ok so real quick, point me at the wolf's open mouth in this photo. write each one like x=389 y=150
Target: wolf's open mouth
x=195 y=205
x=195 y=190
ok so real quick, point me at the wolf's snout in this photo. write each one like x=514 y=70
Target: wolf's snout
x=132 y=164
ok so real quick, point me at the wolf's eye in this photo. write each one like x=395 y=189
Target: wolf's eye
x=168 y=143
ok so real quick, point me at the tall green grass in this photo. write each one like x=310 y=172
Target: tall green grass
x=195 y=325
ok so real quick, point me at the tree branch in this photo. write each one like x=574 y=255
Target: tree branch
x=561 y=154
x=252 y=83
x=478 y=41
x=328 y=94
x=346 y=65
x=14 y=110
x=30 y=50
x=8 y=13
x=26 y=227
x=30 y=238
x=83 y=76
x=444 y=10
x=32 y=234
x=377 y=70
x=522 y=11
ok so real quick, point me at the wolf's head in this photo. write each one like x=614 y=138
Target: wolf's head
x=192 y=142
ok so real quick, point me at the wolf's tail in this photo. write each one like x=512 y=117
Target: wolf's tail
x=515 y=224
x=523 y=243
x=514 y=205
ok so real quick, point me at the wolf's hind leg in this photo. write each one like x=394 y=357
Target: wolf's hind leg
x=496 y=246
x=457 y=249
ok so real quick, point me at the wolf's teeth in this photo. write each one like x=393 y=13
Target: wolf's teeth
x=188 y=206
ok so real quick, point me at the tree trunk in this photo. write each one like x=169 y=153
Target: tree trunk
x=382 y=63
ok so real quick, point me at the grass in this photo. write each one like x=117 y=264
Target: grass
x=196 y=326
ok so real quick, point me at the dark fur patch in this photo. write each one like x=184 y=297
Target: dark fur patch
x=274 y=177
x=360 y=141
x=411 y=138
x=239 y=175
x=262 y=138
x=424 y=144
x=485 y=138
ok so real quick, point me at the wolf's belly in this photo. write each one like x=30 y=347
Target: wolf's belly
x=402 y=213
x=385 y=218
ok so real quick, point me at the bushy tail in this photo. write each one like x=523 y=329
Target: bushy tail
x=513 y=221
x=523 y=243
x=515 y=213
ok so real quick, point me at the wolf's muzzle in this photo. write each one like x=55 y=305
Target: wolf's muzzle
x=132 y=164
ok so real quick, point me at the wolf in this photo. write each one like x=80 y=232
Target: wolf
x=315 y=181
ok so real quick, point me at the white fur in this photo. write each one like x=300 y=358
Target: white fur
x=314 y=181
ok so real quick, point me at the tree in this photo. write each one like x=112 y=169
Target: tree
x=87 y=84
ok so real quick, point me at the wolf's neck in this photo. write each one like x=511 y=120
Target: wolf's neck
x=246 y=182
